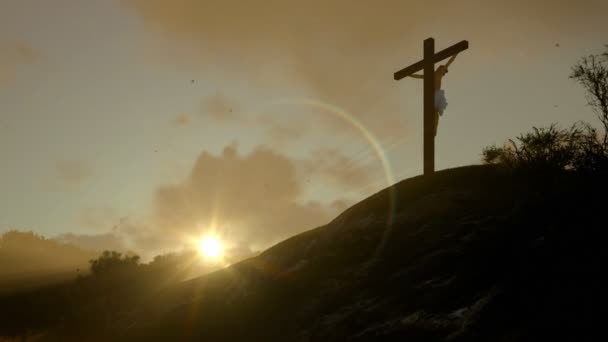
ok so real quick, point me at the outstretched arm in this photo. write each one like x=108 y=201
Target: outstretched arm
x=417 y=76
x=451 y=60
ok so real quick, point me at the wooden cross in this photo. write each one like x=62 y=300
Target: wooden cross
x=428 y=65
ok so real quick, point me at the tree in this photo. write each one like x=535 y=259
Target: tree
x=592 y=73
x=579 y=148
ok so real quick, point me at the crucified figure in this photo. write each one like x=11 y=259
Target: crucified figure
x=440 y=102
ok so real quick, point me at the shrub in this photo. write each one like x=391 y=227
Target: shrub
x=113 y=262
x=552 y=149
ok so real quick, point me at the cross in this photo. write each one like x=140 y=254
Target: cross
x=428 y=65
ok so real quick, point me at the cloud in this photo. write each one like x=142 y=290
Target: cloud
x=321 y=49
x=344 y=52
x=97 y=218
x=94 y=242
x=182 y=119
x=146 y=238
x=218 y=108
x=280 y=131
x=339 y=169
x=12 y=55
x=72 y=171
x=252 y=199
x=122 y=234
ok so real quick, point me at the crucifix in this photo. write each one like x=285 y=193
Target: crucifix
x=427 y=64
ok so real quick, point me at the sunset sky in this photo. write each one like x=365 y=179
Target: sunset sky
x=141 y=123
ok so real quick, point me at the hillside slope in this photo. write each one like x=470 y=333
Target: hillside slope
x=469 y=254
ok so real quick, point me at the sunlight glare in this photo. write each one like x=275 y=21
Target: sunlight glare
x=210 y=247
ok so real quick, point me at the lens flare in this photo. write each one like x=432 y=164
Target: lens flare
x=210 y=247
x=371 y=140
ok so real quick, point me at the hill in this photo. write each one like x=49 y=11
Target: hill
x=469 y=254
x=28 y=260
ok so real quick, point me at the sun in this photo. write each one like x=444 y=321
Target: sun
x=210 y=247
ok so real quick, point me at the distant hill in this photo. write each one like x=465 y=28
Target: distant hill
x=469 y=254
x=30 y=260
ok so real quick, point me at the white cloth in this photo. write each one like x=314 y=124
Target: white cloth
x=440 y=102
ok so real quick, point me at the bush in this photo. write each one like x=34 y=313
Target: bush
x=113 y=262
x=553 y=149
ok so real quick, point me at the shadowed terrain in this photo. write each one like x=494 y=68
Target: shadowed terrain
x=473 y=253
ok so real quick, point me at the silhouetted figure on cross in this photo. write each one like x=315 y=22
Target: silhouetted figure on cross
x=434 y=97
x=440 y=101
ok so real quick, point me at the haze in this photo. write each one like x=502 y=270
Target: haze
x=141 y=124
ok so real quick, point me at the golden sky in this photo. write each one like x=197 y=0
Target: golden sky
x=153 y=120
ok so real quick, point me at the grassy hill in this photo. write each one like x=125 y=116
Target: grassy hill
x=469 y=254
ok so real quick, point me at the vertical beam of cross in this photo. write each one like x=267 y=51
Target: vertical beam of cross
x=429 y=107
x=428 y=66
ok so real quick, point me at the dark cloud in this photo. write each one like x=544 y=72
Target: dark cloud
x=72 y=171
x=344 y=52
x=315 y=46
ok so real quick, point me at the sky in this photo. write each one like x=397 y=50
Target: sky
x=141 y=124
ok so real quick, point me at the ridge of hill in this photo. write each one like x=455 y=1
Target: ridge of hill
x=468 y=254
x=471 y=253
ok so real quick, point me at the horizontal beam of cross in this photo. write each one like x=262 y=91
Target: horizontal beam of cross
x=438 y=57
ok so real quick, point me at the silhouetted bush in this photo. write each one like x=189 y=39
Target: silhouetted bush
x=579 y=148
x=553 y=149
x=111 y=262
